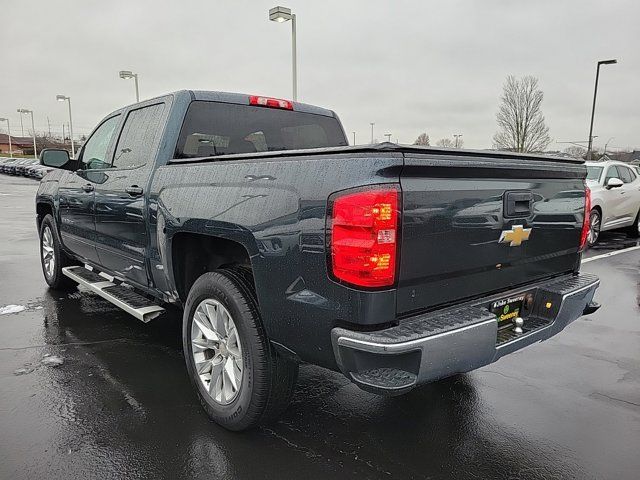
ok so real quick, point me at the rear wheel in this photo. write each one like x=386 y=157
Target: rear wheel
x=595 y=222
x=52 y=258
x=240 y=380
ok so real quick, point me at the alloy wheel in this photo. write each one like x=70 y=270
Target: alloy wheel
x=48 y=253
x=217 y=352
x=594 y=228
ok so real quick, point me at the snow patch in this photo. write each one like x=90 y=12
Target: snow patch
x=7 y=309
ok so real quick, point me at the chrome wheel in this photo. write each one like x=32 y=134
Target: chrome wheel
x=48 y=254
x=217 y=353
x=594 y=228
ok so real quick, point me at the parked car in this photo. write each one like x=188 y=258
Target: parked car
x=615 y=198
x=21 y=168
x=281 y=244
x=5 y=166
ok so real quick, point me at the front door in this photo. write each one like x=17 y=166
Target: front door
x=77 y=192
x=120 y=203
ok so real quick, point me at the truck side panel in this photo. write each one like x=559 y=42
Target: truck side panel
x=276 y=209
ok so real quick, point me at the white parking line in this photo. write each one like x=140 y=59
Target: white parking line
x=611 y=254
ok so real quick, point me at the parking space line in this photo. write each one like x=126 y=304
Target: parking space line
x=611 y=254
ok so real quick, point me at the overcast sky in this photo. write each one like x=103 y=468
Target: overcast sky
x=408 y=66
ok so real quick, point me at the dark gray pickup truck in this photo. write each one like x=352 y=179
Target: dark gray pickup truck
x=396 y=265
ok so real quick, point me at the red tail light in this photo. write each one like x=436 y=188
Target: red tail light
x=585 y=223
x=270 y=102
x=364 y=236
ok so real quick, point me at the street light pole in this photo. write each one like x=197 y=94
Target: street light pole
x=62 y=98
x=354 y=138
x=33 y=127
x=388 y=135
x=283 y=14
x=372 y=124
x=9 y=135
x=126 y=74
x=457 y=136
x=593 y=108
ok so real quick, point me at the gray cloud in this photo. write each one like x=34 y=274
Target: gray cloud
x=408 y=66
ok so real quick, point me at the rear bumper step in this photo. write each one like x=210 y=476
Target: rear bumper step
x=131 y=302
x=428 y=347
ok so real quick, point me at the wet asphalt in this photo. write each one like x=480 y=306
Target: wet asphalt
x=121 y=406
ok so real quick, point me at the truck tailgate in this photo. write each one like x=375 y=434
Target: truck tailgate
x=465 y=221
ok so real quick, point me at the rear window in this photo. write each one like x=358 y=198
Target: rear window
x=212 y=128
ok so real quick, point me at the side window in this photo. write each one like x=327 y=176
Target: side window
x=94 y=153
x=139 y=138
x=612 y=172
x=626 y=175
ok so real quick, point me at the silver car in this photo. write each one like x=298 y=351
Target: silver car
x=615 y=198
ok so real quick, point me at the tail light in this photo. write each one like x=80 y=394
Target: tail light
x=585 y=223
x=270 y=102
x=364 y=236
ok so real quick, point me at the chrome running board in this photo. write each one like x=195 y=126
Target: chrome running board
x=122 y=297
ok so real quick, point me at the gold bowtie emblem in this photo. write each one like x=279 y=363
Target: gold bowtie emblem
x=515 y=236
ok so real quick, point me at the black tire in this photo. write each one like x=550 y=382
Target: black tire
x=268 y=380
x=593 y=236
x=55 y=278
x=634 y=230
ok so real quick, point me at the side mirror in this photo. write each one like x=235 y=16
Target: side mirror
x=56 y=158
x=614 y=183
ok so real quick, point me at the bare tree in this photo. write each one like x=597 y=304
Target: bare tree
x=576 y=151
x=520 y=119
x=423 y=139
x=445 y=142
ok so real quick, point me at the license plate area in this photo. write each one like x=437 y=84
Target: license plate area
x=508 y=308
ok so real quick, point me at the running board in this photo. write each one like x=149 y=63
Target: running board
x=140 y=307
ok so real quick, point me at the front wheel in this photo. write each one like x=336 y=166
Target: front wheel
x=240 y=380
x=634 y=230
x=595 y=222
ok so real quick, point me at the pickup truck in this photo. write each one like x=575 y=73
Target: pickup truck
x=395 y=265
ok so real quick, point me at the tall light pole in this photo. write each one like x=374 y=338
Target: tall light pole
x=283 y=14
x=593 y=108
x=126 y=74
x=457 y=136
x=388 y=135
x=372 y=124
x=62 y=98
x=354 y=137
x=8 y=134
x=33 y=127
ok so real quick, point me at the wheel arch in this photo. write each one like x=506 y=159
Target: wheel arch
x=193 y=254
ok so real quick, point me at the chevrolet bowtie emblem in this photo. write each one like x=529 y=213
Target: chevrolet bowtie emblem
x=515 y=236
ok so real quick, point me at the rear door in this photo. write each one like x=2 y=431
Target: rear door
x=76 y=191
x=477 y=225
x=120 y=203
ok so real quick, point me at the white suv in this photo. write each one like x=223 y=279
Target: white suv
x=615 y=198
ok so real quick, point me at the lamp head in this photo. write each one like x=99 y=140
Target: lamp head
x=3 y=119
x=126 y=74
x=24 y=110
x=280 y=14
x=61 y=98
x=608 y=62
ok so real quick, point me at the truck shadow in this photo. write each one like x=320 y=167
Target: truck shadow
x=134 y=408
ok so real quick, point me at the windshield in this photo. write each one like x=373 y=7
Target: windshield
x=593 y=173
x=212 y=128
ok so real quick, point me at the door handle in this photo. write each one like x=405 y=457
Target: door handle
x=88 y=188
x=134 y=190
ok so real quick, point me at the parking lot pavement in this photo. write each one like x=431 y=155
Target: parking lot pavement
x=120 y=405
